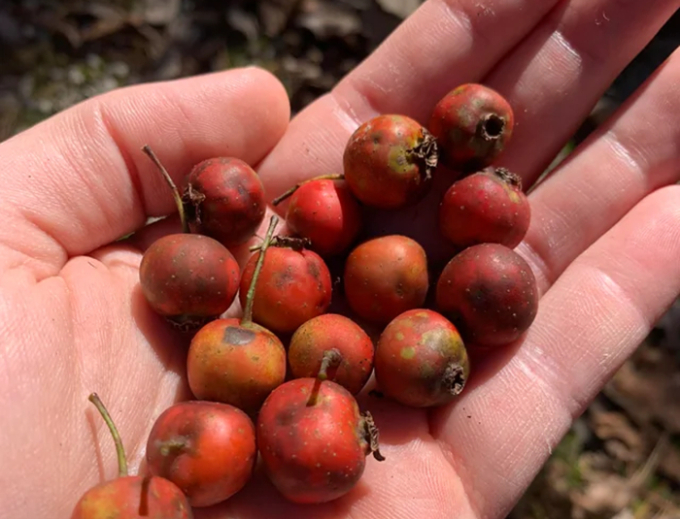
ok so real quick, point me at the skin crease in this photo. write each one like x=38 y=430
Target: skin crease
x=603 y=244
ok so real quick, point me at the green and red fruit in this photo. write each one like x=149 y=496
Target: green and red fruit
x=225 y=199
x=130 y=497
x=490 y=293
x=486 y=207
x=313 y=440
x=473 y=124
x=389 y=162
x=236 y=361
x=207 y=449
x=420 y=359
x=386 y=276
x=294 y=286
x=332 y=332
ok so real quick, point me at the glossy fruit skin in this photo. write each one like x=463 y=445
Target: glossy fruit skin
x=490 y=293
x=486 y=207
x=189 y=277
x=236 y=364
x=325 y=212
x=134 y=497
x=421 y=360
x=316 y=453
x=225 y=199
x=473 y=124
x=207 y=449
x=294 y=286
x=389 y=162
x=327 y=332
x=386 y=276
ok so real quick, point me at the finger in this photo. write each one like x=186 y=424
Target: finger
x=500 y=433
x=627 y=158
x=555 y=76
x=80 y=180
x=443 y=44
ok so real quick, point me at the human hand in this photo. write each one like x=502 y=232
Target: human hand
x=603 y=243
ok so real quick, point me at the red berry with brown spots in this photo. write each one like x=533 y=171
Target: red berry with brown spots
x=332 y=332
x=207 y=449
x=294 y=286
x=225 y=199
x=486 y=207
x=235 y=361
x=130 y=497
x=421 y=360
x=389 y=162
x=325 y=212
x=490 y=293
x=386 y=276
x=473 y=125
x=313 y=440
x=188 y=278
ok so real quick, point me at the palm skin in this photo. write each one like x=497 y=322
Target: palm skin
x=604 y=244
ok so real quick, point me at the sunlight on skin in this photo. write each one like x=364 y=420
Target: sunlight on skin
x=603 y=245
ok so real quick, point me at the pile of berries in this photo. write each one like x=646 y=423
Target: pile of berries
x=282 y=380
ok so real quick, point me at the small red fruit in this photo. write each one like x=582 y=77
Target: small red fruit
x=420 y=359
x=225 y=199
x=386 y=276
x=130 y=497
x=314 y=441
x=472 y=124
x=332 y=332
x=486 y=207
x=207 y=449
x=490 y=293
x=325 y=212
x=236 y=361
x=294 y=286
x=389 y=161
x=188 y=278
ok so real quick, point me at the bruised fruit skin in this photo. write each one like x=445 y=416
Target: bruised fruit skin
x=473 y=125
x=225 y=199
x=207 y=449
x=490 y=293
x=328 y=332
x=327 y=214
x=294 y=287
x=420 y=359
x=386 y=276
x=485 y=207
x=134 y=497
x=389 y=162
x=189 y=278
x=235 y=363
x=313 y=440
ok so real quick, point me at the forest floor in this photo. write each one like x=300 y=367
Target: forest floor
x=621 y=459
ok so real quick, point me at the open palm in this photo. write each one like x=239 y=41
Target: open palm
x=604 y=244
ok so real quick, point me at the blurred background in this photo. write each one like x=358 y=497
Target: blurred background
x=621 y=459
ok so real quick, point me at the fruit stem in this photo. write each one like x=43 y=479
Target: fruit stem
x=120 y=450
x=287 y=194
x=250 y=298
x=373 y=436
x=175 y=192
x=331 y=359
